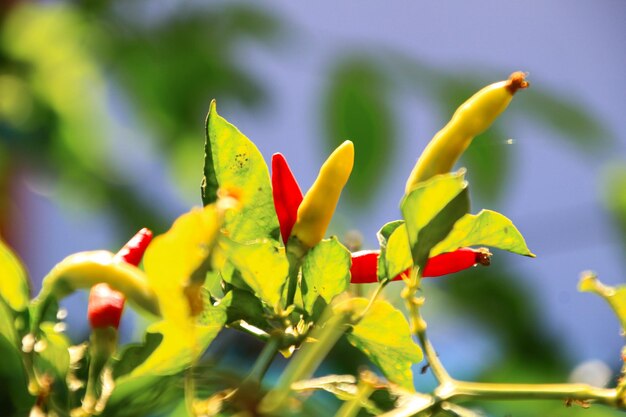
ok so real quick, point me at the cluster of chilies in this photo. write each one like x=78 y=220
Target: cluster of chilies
x=288 y=200
x=303 y=220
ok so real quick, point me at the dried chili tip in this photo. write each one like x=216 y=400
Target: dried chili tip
x=483 y=256
x=517 y=81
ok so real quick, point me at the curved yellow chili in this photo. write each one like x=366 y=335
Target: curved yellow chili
x=320 y=201
x=469 y=120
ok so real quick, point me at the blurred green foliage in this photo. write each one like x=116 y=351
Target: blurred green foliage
x=61 y=65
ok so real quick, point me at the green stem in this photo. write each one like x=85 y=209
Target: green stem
x=463 y=391
x=435 y=364
x=351 y=408
x=307 y=360
x=295 y=261
x=458 y=411
x=379 y=289
x=103 y=342
x=264 y=360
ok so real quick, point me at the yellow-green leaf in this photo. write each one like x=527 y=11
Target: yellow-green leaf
x=234 y=163
x=171 y=259
x=52 y=358
x=487 y=228
x=7 y=325
x=384 y=336
x=384 y=236
x=14 y=283
x=430 y=211
x=183 y=342
x=398 y=254
x=263 y=266
x=615 y=296
x=325 y=272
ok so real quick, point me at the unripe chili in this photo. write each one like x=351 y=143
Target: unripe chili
x=287 y=195
x=319 y=203
x=365 y=264
x=469 y=120
x=105 y=304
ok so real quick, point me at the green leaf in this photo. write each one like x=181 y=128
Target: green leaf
x=145 y=395
x=233 y=163
x=14 y=397
x=397 y=257
x=325 y=272
x=383 y=236
x=182 y=343
x=384 y=336
x=263 y=266
x=358 y=107
x=52 y=357
x=431 y=210
x=7 y=325
x=487 y=228
x=614 y=194
x=242 y=305
x=134 y=354
x=14 y=283
x=614 y=296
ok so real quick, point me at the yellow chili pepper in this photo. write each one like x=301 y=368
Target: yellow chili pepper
x=320 y=201
x=472 y=118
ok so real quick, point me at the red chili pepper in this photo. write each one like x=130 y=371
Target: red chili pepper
x=287 y=195
x=106 y=305
x=365 y=264
x=133 y=250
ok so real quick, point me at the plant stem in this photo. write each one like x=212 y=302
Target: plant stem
x=306 y=361
x=435 y=364
x=458 y=411
x=379 y=289
x=103 y=343
x=295 y=261
x=463 y=391
x=365 y=387
x=263 y=362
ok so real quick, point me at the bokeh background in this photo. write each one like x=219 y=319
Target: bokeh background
x=102 y=107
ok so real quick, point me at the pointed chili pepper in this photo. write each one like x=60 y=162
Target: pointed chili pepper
x=365 y=264
x=287 y=195
x=469 y=120
x=106 y=305
x=319 y=203
x=306 y=218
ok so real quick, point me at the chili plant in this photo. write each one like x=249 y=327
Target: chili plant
x=254 y=259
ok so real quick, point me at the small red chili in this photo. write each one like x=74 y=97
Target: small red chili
x=106 y=305
x=287 y=195
x=365 y=264
x=133 y=250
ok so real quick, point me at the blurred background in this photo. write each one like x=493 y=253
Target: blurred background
x=102 y=107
